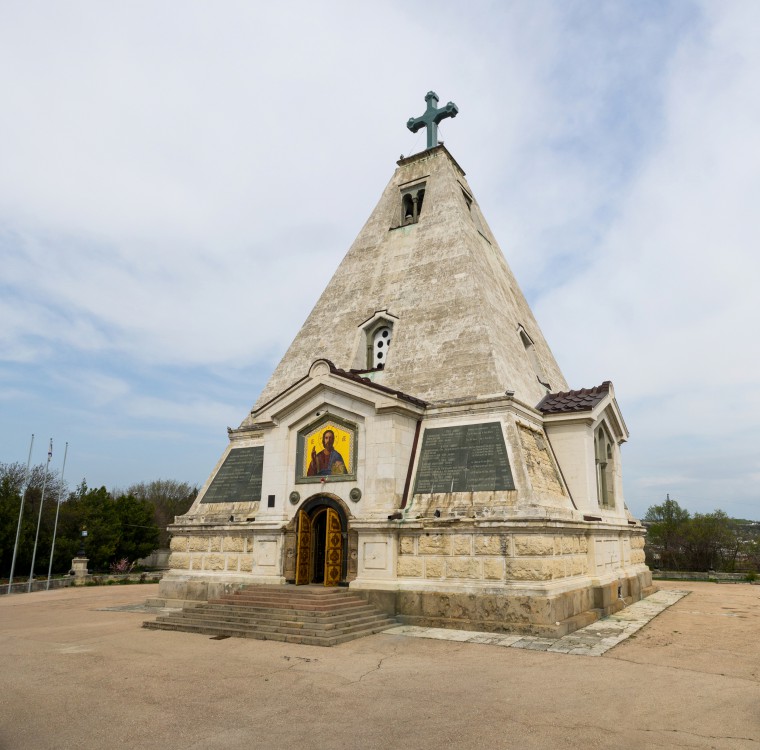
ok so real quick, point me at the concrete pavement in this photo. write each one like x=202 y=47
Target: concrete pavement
x=76 y=675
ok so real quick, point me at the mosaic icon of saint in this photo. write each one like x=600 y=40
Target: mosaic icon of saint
x=328 y=460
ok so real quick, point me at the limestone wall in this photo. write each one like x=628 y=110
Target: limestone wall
x=446 y=281
x=226 y=553
x=498 y=557
x=542 y=471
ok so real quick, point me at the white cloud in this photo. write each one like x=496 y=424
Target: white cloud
x=178 y=187
x=666 y=305
x=210 y=414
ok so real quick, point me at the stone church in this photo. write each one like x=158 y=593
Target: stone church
x=418 y=442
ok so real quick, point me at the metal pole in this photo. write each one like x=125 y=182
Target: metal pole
x=21 y=513
x=39 y=518
x=55 y=526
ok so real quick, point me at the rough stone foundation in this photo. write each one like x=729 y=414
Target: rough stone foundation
x=549 y=615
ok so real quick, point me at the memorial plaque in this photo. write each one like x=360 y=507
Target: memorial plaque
x=464 y=458
x=239 y=478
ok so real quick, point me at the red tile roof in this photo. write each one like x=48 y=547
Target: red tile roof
x=584 y=399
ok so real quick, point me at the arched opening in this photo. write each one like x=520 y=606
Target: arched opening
x=378 y=339
x=420 y=197
x=604 y=451
x=381 y=341
x=408 y=210
x=411 y=203
x=322 y=542
x=319 y=543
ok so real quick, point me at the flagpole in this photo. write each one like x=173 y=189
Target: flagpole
x=55 y=526
x=39 y=518
x=21 y=513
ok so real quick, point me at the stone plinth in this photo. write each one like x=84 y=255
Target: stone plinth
x=79 y=569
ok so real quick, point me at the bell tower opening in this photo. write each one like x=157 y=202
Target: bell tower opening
x=412 y=198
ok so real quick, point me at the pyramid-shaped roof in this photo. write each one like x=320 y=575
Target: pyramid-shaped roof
x=461 y=327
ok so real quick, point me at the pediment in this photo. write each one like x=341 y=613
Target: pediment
x=326 y=384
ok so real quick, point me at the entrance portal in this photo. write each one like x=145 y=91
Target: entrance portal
x=319 y=557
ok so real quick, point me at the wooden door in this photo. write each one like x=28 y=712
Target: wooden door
x=333 y=549
x=303 y=549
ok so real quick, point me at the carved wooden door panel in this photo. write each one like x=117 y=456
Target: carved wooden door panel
x=333 y=549
x=303 y=553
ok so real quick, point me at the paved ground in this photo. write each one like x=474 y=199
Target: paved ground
x=76 y=675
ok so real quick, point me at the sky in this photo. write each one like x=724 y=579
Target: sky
x=179 y=180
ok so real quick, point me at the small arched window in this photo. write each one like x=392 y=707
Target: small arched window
x=381 y=341
x=376 y=335
x=604 y=451
x=411 y=203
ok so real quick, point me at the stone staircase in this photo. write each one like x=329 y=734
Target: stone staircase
x=312 y=615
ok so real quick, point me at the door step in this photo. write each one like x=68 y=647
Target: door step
x=316 y=616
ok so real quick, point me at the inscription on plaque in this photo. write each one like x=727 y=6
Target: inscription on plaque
x=239 y=478
x=465 y=458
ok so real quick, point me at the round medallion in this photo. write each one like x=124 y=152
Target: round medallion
x=294 y=497
x=355 y=494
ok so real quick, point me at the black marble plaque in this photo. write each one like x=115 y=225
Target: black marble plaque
x=239 y=478
x=465 y=458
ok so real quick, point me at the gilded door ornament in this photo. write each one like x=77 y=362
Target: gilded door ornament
x=333 y=549
x=303 y=554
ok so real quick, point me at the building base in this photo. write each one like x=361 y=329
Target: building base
x=537 y=613
x=548 y=615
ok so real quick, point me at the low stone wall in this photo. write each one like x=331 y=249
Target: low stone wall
x=684 y=575
x=104 y=579
x=89 y=579
x=40 y=584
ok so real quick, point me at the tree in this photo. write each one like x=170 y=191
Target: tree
x=169 y=498
x=93 y=511
x=10 y=502
x=12 y=486
x=710 y=542
x=702 y=542
x=750 y=550
x=139 y=533
x=116 y=528
x=118 y=525
x=665 y=527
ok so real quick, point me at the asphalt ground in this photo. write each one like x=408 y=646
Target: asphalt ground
x=76 y=675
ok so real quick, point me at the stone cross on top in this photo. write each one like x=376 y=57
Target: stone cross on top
x=431 y=118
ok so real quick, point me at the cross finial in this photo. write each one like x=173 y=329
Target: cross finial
x=432 y=117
